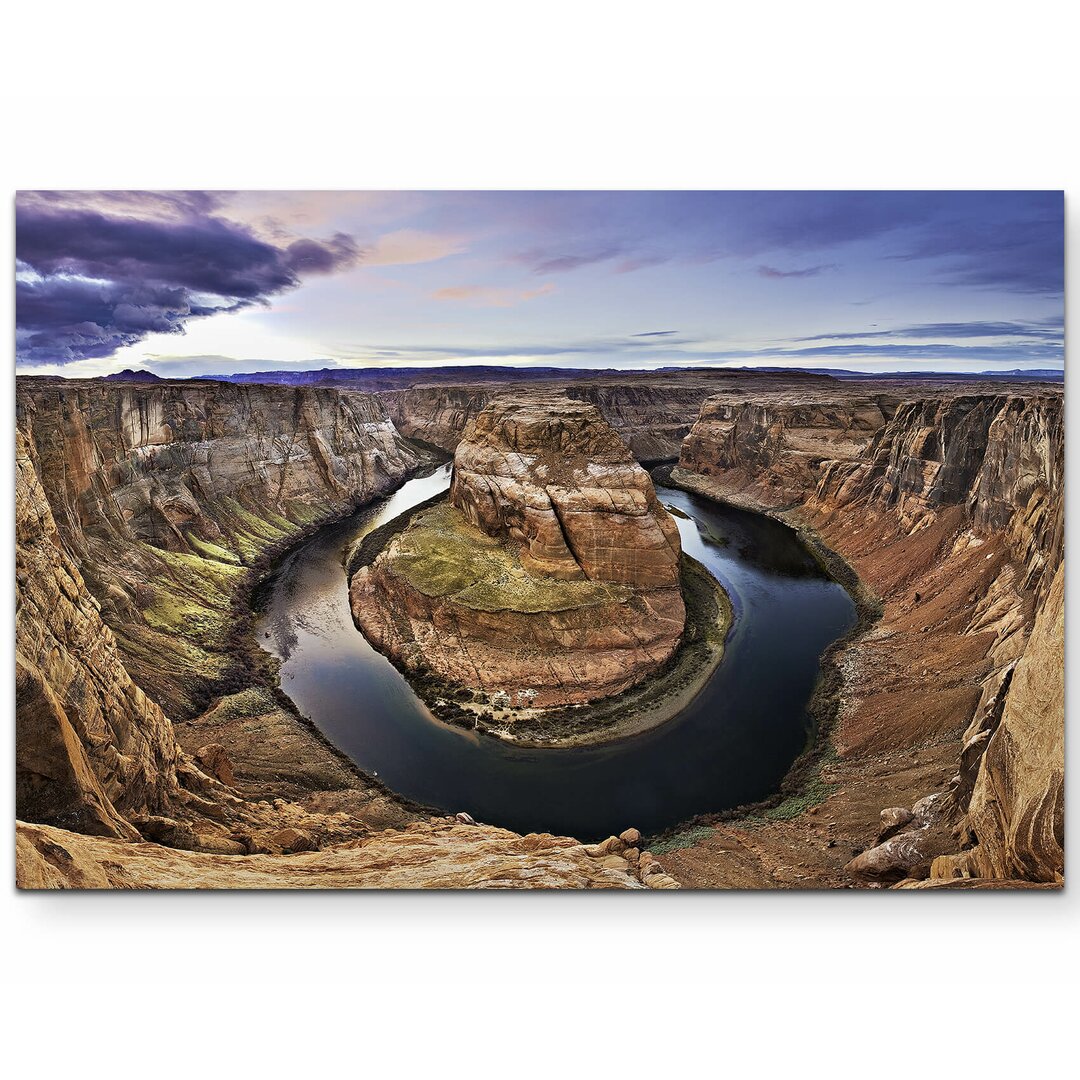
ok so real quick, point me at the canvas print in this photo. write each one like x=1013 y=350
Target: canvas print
x=539 y=539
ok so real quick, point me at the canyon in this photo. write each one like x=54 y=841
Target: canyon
x=156 y=750
x=550 y=577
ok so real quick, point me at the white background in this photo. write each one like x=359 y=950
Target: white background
x=555 y=94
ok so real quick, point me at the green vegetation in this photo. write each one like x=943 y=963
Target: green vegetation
x=212 y=551
x=815 y=791
x=255 y=701
x=191 y=601
x=441 y=554
x=804 y=786
x=689 y=838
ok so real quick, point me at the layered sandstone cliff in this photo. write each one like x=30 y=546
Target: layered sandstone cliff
x=167 y=494
x=551 y=578
x=950 y=505
x=652 y=412
x=90 y=745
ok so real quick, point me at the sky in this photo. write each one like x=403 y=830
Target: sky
x=205 y=282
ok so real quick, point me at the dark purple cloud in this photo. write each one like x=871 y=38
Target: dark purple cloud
x=61 y=319
x=94 y=277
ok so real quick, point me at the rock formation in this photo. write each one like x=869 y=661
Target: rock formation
x=652 y=412
x=436 y=854
x=553 y=575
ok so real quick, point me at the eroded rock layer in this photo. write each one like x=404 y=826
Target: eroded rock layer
x=167 y=494
x=435 y=854
x=553 y=576
x=652 y=412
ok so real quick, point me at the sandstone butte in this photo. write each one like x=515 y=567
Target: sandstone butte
x=552 y=577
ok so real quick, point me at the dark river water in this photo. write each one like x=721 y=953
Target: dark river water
x=732 y=745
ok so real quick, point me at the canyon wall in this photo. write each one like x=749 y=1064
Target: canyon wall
x=166 y=495
x=90 y=746
x=652 y=412
x=950 y=505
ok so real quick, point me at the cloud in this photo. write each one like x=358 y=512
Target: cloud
x=322 y=257
x=641 y=262
x=1047 y=330
x=98 y=271
x=808 y=271
x=491 y=295
x=407 y=246
x=655 y=333
x=547 y=262
x=1025 y=254
x=61 y=319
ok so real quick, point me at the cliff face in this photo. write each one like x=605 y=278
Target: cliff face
x=551 y=475
x=999 y=457
x=162 y=463
x=1013 y=821
x=652 y=414
x=771 y=452
x=90 y=745
x=165 y=494
x=950 y=506
x=552 y=577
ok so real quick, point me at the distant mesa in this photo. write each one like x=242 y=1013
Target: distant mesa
x=133 y=375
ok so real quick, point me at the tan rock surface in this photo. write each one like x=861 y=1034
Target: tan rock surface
x=426 y=855
x=552 y=475
x=1015 y=820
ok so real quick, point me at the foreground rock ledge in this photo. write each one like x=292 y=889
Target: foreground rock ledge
x=550 y=578
x=426 y=855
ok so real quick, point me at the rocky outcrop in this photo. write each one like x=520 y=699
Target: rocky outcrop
x=950 y=507
x=553 y=576
x=435 y=854
x=90 y=746
x=552 y=476
x=1013 y=823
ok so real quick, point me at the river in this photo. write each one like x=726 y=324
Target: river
x=732 y=745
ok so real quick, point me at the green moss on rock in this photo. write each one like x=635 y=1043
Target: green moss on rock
x=442 y=554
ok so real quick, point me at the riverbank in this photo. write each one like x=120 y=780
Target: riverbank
x=803 y=785
x=656 y=700
x=274 y=750
x=893 y=699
